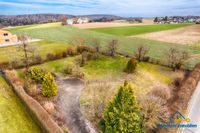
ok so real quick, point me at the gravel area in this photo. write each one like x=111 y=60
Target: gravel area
x=69 y=105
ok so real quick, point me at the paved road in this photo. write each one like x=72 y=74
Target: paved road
x=194 y=111
x=17 y=43
x=69 y=105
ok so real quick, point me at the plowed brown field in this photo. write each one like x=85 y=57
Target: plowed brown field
x=186 y=35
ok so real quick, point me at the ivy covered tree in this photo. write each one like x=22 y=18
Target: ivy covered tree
x=122 y=114
x=49 y=87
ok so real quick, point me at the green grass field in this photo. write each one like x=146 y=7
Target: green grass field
x=13 y=116
x=135 y=30
x=109 y=68
x=11 y=53
x=57 y=37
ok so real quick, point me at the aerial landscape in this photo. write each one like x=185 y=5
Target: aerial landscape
x=99 y=66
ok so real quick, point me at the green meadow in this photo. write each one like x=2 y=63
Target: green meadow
x=135 y=30
x=57 y=38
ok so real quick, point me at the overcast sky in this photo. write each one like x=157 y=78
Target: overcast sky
x=135 y=8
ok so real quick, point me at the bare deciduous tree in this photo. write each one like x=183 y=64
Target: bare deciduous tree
x=97 y=45
x=141 y=52
x=83 y=56
x=112 y=47
x=28 y=52
x=64 y=20
x=78 y=40
x=176 y=57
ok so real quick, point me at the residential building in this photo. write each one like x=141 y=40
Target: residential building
x=7 y=38
x=72 y=21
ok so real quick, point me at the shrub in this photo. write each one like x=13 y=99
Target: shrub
x=154 y=111
x=84 y=48
x=16 y=64
x=72 y=70
x=64 y=54
x=36 y=74
x=49 y=87
x=67 y=70
x=122 y=114
x=12 y=76
x=89 y=56
x=58 y=55
x=79 y=74
x=112 y=47
x=71 y=51
x=131 y=65
x=161 y=91
x=37 y=60
x=177 y=81
x=50 y=56
x=30 y=87
x=5 y=65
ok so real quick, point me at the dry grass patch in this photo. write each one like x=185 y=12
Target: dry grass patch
x=184 y=36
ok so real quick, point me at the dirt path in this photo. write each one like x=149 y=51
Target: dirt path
x=184 y=36
x=69 y=105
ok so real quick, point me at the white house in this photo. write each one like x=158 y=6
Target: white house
x=70 y=21
x=82 y=20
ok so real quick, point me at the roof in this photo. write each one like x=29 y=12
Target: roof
x=4 y=31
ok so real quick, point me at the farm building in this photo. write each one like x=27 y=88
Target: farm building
x=7 y=38
x=72 y=21
x=82 y=20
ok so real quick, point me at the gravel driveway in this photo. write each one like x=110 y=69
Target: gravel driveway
x=69 y=105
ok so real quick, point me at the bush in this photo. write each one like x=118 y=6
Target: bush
x=154 y=111
x=37 y=60
x=50 y=56
x=58 y=55
x=131 y=66
x=177 y=81
x=30 y=87
x=64 y=54
x=36 y=74
x=72 y=70
x=49 y=87
x=67 y=70
x=161 y=91
x=12 y=76
x=5 y=65
x=122 y=114
x=71 y=51
x=83 y=48
x=15 y=64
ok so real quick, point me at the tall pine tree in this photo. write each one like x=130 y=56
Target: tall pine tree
x=122 y=114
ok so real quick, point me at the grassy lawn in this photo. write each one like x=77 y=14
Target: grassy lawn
x=11 y=53
x=57 y=37
x=135 y=30
x=111 y=68
x=13 y=116
x=106 y=75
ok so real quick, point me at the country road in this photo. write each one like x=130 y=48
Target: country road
x=194 y=111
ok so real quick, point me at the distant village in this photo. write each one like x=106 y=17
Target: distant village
x=157 y=20
x=177 y=19
x=83 y=20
